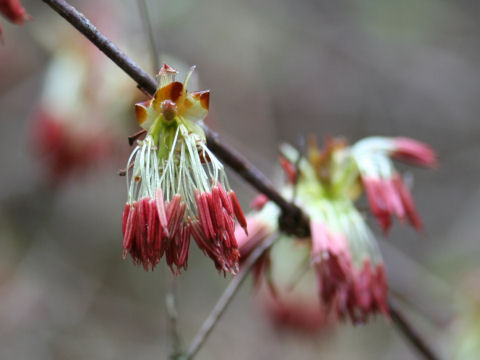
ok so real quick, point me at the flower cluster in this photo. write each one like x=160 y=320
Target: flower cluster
x=350 y=273
x=13 y=11
x=177 y=188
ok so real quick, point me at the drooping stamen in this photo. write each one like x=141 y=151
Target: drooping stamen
x=226 y=200
x=172 y=214
x=161 y=211
x=408 y=203
x=129 y=229
x=152 y=221
x=230 y=227
x=185 y=244
x=126 y=211
x=217 y=209
x=238 y=211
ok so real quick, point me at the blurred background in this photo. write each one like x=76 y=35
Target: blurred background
x=277 y=70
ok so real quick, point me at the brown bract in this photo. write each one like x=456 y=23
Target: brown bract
x=172 y=99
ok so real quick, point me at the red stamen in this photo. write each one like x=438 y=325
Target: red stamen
x=201 y=213
x=226 y=201
x=126 y=211
x=408 y=203
x=216 y=202
x=161 y=211
x=129 y=230
x=152 y=221
x=238 y=212
x=208 y=219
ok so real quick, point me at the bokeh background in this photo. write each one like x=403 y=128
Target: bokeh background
x=277 y=70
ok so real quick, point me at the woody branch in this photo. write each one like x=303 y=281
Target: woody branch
x=293 y=219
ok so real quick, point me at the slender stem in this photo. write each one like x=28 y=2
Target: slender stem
x=172 y=314
x=227 y=297
x=147 y=25
x=410 y=333
x=291 y=213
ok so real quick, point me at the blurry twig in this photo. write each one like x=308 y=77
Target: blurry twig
x=410 y=333
x=147 y=24
x=171 y=307
x=292 y=220
x=227 y=297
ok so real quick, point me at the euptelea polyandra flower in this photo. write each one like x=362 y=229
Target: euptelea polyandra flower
x=350 y=273
x=177 y=188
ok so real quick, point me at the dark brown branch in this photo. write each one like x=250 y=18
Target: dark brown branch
x=293 y=219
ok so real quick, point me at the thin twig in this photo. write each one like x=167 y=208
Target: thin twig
x=227 y=297
x=411 y=335
x=171 y=308
x=147 y=25
x=291 y=214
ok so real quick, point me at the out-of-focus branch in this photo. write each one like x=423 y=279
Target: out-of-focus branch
x=293 y=219
x=147 y=25
x=227 y=297
x=171 y=308
x=410 y=333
